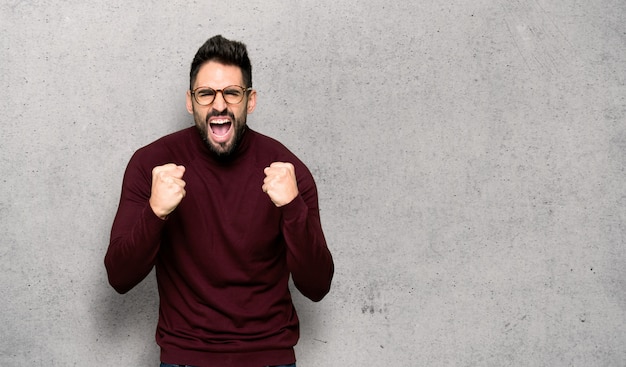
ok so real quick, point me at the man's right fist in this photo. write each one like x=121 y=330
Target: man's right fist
x=168 y=189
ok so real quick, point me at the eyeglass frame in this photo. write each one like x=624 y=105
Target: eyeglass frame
x=245 y=90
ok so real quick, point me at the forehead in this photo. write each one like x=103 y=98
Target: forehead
x=216 y=75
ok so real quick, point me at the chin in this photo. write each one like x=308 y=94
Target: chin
x=222 y=150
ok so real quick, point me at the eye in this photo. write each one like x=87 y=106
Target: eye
x=205 y=93
x=232 y=92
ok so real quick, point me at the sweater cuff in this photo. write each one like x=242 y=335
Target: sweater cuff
x=151 y=220
x=294 y=209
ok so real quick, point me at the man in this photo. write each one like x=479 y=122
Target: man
x=225 y=214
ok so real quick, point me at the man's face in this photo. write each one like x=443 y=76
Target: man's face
x=220 y=124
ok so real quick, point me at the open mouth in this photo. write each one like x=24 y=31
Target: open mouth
x=220 y=127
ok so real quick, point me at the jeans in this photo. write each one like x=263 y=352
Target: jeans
x=182 y=365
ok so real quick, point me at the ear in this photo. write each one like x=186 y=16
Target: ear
x=189 y=102
x=251 y=101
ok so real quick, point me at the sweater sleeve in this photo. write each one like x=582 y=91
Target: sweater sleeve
x=308 y=257
x=135 y=234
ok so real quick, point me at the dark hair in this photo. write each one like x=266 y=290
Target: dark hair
x=225 y=52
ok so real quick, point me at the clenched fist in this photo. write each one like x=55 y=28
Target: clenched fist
x=280 y=183
x=168 y=189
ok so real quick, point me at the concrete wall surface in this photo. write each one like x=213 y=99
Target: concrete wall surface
x=470 y=158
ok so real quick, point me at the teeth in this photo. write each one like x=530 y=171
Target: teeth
x=220 y=122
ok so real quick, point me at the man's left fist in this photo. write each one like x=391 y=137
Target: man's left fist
x=280 y=183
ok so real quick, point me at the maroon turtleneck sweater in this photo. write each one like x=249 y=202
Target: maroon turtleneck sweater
x=224 y=256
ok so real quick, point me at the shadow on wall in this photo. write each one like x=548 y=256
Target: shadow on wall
x=126 y=323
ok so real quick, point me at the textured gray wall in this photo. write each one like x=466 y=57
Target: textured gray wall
x=470 y=158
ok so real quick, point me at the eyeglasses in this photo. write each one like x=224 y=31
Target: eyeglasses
x=232 y=94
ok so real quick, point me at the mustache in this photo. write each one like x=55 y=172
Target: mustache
x=215 y=113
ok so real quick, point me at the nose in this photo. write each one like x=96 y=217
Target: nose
x=219 y=103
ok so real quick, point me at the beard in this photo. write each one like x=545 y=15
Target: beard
x=222 y=150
